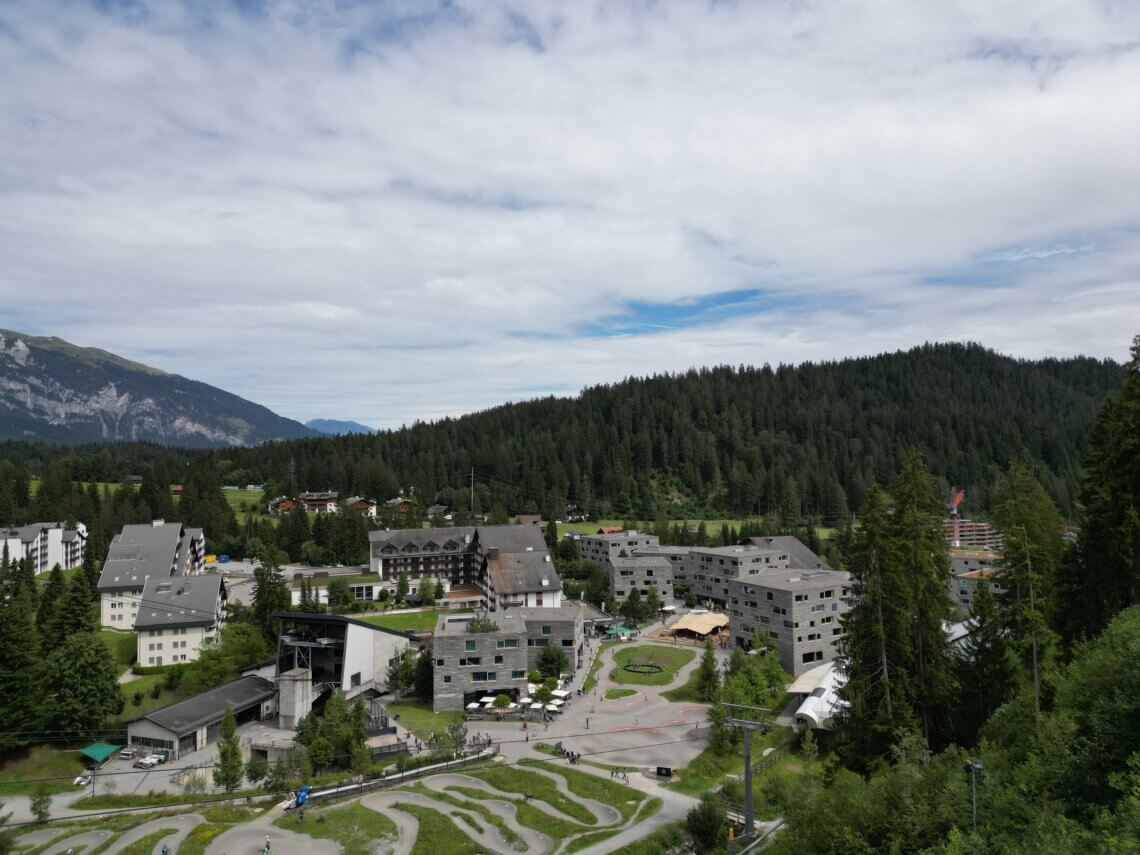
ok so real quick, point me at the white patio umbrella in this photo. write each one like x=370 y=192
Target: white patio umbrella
x=536 y=706
x=552 y=708
x=524 y=701
x=556 y=703
x=472 y=706
x=560 y=693
x=487 y=700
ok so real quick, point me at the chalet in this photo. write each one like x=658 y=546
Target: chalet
x=282 y=505
x=441 y=511
x=367 y=507
x=320 y=502
x=529 y=519
x=399 y=504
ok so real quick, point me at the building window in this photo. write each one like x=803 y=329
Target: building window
x=478 y=676
x=546 y=630
x=447 y=678
x=816 y=656
x=439 y=663
x=567 y=642
x=540 y=642
x=518 y=675
x=470 y=645
x=498 y=660
x=355 y=679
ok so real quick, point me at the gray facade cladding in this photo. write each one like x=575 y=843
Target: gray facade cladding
x=561 y=627
x=470 y=665
x=708 y=570
x=600 y=548
x=798 y=610
x=641 y=572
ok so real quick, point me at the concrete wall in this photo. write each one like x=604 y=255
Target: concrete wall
x=599 y=549
x=118 y=609
x=642 y=573
x=565 y=633
x=170 y=646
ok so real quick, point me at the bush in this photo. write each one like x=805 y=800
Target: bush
x=256 y=769
x=173 y=678
x=706 y=823
x=137 y=698
x=156 y=690
x=776 y=791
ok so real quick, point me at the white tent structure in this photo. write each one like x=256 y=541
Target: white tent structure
x=822 y=701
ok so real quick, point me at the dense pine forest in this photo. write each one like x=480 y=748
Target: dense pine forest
x=800 y=442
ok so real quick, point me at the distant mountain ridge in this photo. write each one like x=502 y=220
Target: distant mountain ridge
x=51 y=389
x=337 y=427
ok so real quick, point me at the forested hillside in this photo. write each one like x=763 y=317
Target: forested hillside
x=801 y=440
x=796 y=442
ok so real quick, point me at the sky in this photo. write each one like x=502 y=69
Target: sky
x=400 y=211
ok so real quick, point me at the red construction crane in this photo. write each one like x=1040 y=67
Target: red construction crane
x=956 y=497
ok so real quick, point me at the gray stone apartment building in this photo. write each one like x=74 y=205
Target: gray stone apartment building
x=968 y=567
x=561 y=627
x=470 y=665
x=797 y=609
x=708 y=570
x=601 y=547
x=641 y=572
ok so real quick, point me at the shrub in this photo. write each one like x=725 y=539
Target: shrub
x=137 y=698
x=156 y=690
x=706 y=822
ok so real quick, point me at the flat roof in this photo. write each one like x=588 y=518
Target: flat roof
x=302 y=617
x=193 y=712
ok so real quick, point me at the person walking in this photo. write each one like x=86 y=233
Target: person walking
x=268 y=845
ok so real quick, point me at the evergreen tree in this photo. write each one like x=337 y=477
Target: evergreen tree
x=402 y=588
x=876 y=641
x=21 y=670
x=84 y=684
x=228 y=770
x=50 y=602
x=270 y=595
x=708 y=675
x=75 y=613
x=919 y=542
x=986 y=666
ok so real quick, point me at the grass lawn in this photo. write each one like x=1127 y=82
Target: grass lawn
x=516 y=780
x=614 y=694
x=592 y=677
x=529 y=816
x=417 y=716
x=122 y=646
x=670 y=838
x=647 y=810
x=145 y=846
x=68 y=574
x=144 y=684
x=511 y=838
x=670 y=659
x=708 y=769
x=407 y=622
x=40 y=761
x=435 y=828
x=687 y=691
x=583 y=784
x=354 y=827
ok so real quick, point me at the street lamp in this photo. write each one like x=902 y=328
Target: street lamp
x=974 y=769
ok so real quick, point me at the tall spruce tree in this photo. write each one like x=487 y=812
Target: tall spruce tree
x=270 y=595
x=1103 y=577
x=75 y=612
x=986 y=666
x=919 y=543
x=228 y=771
x=877 y=641
x=50 y=602
x=21 y=670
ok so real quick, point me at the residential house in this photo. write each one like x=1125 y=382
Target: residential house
x=281 y=505
x=320 y=502
x=399 y=505
x=367 y=507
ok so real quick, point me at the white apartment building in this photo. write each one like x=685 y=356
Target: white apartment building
x=158 y=550
x=179 y=616
x=46 y=544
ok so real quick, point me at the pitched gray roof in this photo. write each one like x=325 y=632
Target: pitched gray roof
x=193 y=712
x=143 y=551
x=180 y=601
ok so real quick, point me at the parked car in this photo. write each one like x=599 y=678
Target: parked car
x=128 y=753
x=145 y=763
x=84 y=778
x=157 y=758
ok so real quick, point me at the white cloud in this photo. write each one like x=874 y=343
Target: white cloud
x=384 y=214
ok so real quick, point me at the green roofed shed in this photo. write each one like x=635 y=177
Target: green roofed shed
x=98 y=751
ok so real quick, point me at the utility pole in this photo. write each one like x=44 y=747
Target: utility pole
x=747 y=725
x=472 y=491
x=974 y=770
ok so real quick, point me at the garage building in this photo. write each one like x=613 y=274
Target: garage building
x=192 y=724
